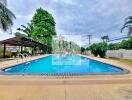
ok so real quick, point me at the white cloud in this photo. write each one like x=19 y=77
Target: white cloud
x=98 y=17
x=5 y=35
x=65 y=1
x=29 y=17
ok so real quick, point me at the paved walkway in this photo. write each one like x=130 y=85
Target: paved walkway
x=66 y=92
x=89 y=87
x=14 y=61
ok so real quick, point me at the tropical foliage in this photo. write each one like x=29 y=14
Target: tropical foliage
x=26 y=29
x=82 y=50
x=125 y=44
x=41 y=28
x=98 y=49
x=128 y=24
x=44 y=26
x=6 y=17
x=113 y=46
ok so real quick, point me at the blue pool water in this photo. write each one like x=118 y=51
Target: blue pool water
x=63 y=64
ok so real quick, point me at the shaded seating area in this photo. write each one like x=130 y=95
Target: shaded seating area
x=22 y=42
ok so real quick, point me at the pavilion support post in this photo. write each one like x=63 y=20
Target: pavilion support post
x=32 y=51
x=4 y=52
x=21 y=49
x=21 y=46
x=35 y=50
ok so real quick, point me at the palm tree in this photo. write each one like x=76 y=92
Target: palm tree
x=6 y=17
x=128 y=24
x=105 y=38
x=26 y=29
x=19 y=34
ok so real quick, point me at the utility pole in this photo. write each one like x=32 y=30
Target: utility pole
x=89 y=38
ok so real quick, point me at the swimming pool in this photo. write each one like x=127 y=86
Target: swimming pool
x=64 y=64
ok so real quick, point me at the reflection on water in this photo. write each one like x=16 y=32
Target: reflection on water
x=66 y=59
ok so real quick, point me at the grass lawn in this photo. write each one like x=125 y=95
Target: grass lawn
x=128 y=61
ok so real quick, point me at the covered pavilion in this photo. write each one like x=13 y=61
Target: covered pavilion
x=22 y=42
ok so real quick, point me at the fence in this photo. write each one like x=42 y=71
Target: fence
x=126 y=54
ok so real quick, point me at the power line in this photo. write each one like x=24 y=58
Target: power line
x=120 y=37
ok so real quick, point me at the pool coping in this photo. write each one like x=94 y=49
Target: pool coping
x=124 y=70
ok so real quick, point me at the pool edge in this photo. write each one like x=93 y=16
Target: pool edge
x=124 y=70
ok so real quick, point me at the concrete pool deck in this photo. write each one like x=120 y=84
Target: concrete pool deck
x=66 y=92
x=86 y=87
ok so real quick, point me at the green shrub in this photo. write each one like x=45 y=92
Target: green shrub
x=87 y=49
x=82 y=50
x=114 y=46
x=125 y=44
x=99 y=49
x=93 y=49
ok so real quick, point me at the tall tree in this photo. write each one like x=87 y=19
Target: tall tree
x=128 y=24
x=44 y=26
x=6 y=17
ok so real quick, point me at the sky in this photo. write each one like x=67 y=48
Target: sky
x=75 y=17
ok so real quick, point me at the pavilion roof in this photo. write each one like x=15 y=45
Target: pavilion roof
x=22 y=41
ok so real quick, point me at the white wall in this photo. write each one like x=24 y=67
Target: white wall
x=126 y=54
